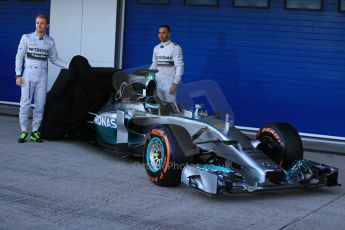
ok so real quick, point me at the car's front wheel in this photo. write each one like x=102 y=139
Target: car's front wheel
x=281 y=142
x=168 y=148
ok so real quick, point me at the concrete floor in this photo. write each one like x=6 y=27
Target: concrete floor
x=73 y=185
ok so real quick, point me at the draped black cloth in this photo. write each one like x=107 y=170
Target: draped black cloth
x=76 y=92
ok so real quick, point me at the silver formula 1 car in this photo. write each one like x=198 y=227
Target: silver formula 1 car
x=201 y=151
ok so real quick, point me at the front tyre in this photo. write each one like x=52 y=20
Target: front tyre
x=168 y=148
x=281 y=142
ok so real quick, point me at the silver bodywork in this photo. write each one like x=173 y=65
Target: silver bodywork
x=257 y=171
x=228 y=143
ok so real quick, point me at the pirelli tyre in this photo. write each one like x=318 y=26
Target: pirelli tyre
x=281 y=142
x=168 y=148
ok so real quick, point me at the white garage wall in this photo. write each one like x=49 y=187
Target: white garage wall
x=83 y=27
x=98 y=32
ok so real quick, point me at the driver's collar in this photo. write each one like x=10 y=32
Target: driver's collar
x=165 y=43
x=40 y=37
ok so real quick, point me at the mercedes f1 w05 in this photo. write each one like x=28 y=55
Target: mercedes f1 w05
x=204 y=152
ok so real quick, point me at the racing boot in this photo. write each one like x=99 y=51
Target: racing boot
x=23 y=136
x=36 y=136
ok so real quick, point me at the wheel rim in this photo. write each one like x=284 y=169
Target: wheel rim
x=272 y=148
x=155 y=154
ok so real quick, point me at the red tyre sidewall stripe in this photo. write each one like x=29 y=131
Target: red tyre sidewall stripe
x=167 y=162
x=270 y=131
x=162 y=135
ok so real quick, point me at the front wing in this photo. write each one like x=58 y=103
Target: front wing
x=212 y=179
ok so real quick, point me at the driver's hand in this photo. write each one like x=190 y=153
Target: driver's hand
x=19 y=80
x=173 y=89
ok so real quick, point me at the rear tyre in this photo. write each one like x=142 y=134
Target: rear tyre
x=168 y=148
x=281 y=142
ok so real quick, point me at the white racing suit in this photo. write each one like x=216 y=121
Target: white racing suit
x=36 y=51
x=167 y=58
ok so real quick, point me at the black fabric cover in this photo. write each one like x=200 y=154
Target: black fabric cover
x=76 y=92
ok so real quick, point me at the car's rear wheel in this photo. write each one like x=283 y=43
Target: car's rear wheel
x=168 y=148
x=281 y=142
